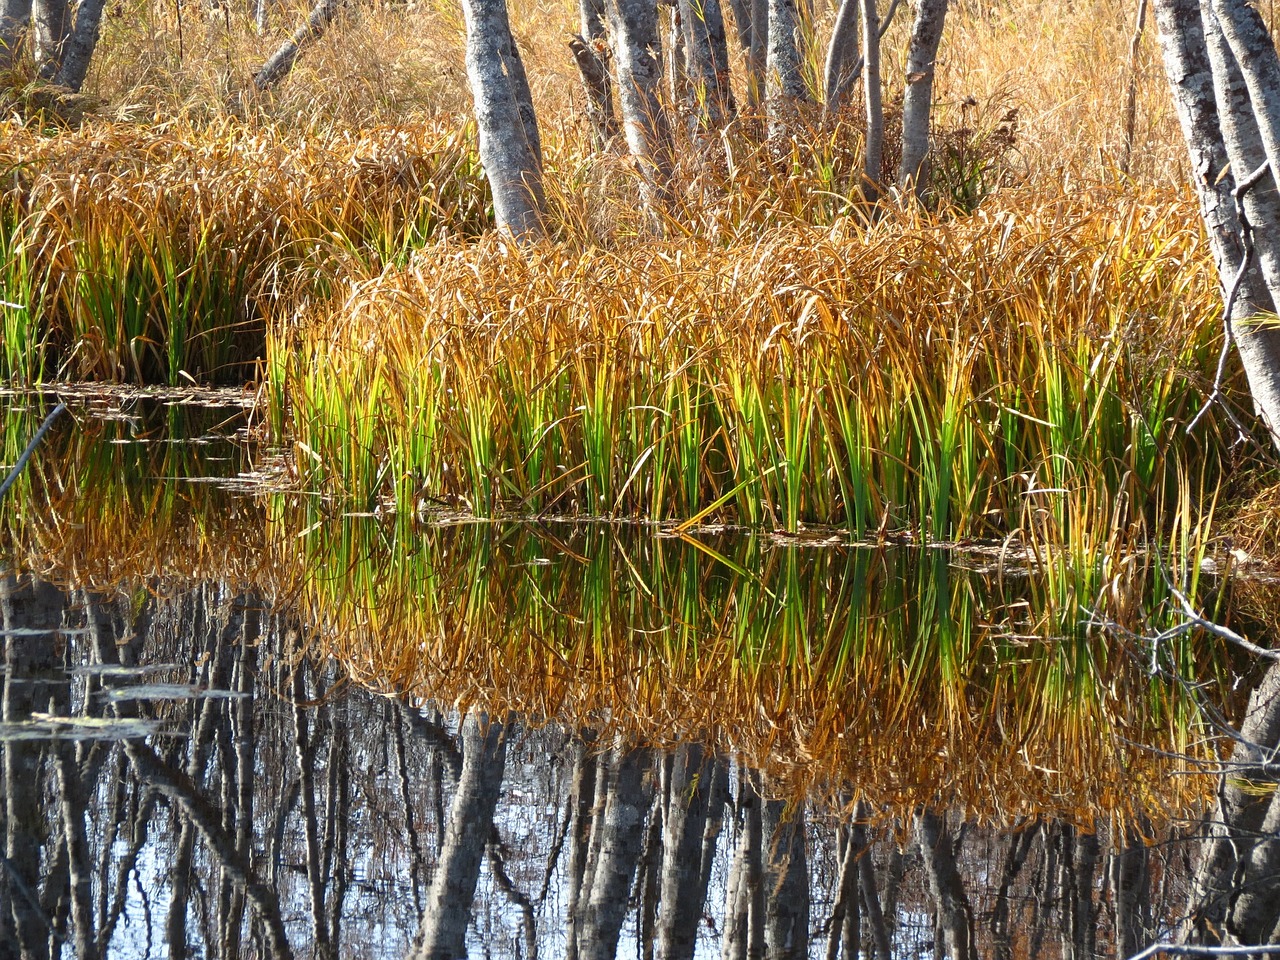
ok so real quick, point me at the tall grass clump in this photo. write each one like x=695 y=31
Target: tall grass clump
x=151 y=255
x=1027 y=369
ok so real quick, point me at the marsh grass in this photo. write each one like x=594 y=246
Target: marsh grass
x=1023 y=372
x=894 y=669
x=153 y=256
x=982 y=674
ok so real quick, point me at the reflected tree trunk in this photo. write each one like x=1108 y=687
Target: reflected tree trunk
x=31 y=611
x=453 y=886
x=955 y=916
x=692 y=789
x=617 y=832
x=1131 y=891
x=1020 y=843
x=744 y=893
x=582 y=800
x=786 y=881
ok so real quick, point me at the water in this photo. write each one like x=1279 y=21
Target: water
x=241 y=722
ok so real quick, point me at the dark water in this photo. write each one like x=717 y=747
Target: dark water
x=185 y=771
x=206 y=790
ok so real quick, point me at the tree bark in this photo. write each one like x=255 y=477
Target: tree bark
x=1218 y=126
x=637 y=56
x=955 y=916
x=453 y=885
x=282 y=61
x=785 y=89
x=786 y=882
x=706 y=56
x=15 y=19
x=874 y=142
x=683 y=890
x=510 y=147
x=80 y=44
x=51 y=29
x=917 y=98
x=589 y=54
x=617 y=833
x=841 y=52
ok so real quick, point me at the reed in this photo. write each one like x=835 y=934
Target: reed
x=153 y=255
x=1024 y=371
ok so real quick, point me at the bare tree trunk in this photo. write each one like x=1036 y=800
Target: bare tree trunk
x=510 y=147
x=15 y=20
x=785 y=89
x=26 y=608
x=282 y=61
x=1218 y=124
x=1019 y=847
x=453 y=886
x=917 y=98
x=77 y=50
x=1131 y=91
x=617 y=834
x=707 y=62
x=51 y=22
x=758 y=52
x=744 y=898
x=1237 y=820
x=150 y=769
x=1131 y=886
x=590 y=52
x=874 y=144
x=786 y=881
x=841 y=53
x=684 y=891
x=638 y=57
x=955 y=916
x=581 y=799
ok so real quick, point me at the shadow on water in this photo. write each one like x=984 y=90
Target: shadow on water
x=235 y=727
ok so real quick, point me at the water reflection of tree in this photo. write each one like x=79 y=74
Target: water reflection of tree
x=302 y=815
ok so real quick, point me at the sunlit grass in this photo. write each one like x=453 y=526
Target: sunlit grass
x=154 y=255
x=1022 y=372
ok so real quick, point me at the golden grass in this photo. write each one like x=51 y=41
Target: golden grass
x=1023 y=370
x=1065 y=69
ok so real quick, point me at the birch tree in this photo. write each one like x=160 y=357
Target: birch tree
x=510 y=147
x=637 y=56
x=1222 y=70
x=60 y=44
x=917 y=97
x=785 y=89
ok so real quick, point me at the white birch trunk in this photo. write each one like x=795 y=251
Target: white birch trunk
x=51 y=29
x=706 y=55
x=841 y=52
x=917 y=98
x=453 y=886
x=15 y=18
x=637 y=58
x=1218 y=126
x=785 y=88
x=874 y=144
x=510 y=147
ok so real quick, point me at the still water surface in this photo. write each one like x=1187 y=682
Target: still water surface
x=242 y=723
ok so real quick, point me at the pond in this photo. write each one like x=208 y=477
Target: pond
x=243 y=720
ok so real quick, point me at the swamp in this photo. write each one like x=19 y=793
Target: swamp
x=534 y=480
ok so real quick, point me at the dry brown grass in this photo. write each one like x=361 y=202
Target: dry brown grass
x=1063 y=67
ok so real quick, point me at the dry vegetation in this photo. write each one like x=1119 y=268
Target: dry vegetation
x=1020 y=374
